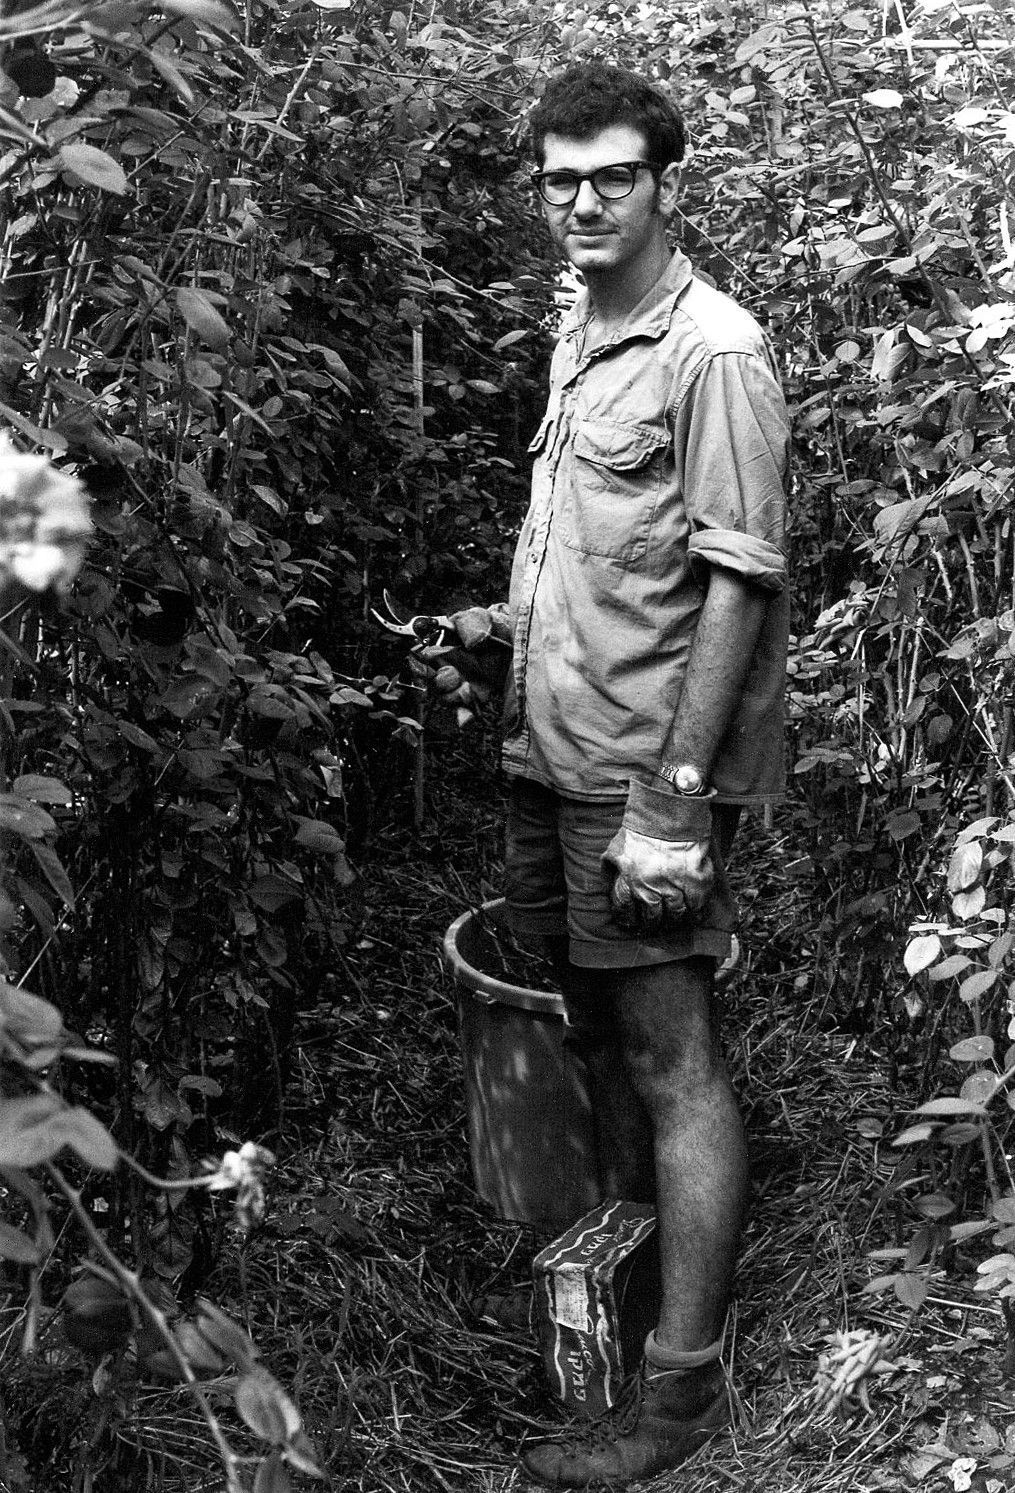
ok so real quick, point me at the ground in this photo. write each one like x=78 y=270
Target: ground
x=363 y=1283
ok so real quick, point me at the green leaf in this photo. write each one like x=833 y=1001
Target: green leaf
x=271 y=892
x=510 y=338
x=960 y=1134
x=934 y=1205
x=901 y=826
x=86 y=1134
x=50 y=865
x=301 y=1453
x=38 y=905
x=953 y=965
x=29 y=1130
x=268 y=701
x=978 y=827
x=314 y=834
x=920 y=953
x=22 y=817
x=972 y=1050
x=189 y=696
x=950 y=1105
x=137 y=737
x=16 y=1246
x=42 y=790
x=28 y=1016
x=888 y=358
x=177 y=82
x=1000 y=949
x=272 y=1476
x=919 y=1248
x=210 y=12
x=93 y=166
x=1005 y=1262
x=980 y=1087
x=911 y=1290
x=898 y=520
x=965 y=866
x=973 y=986
x=878 y=1284
x=196 y=1348
x=967 y=905
x=914 y=1134
x=202 y=316
x=968 y=1229
x=225 y=1335
x=266 y=1408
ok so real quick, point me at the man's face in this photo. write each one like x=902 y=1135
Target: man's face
x=600 y=236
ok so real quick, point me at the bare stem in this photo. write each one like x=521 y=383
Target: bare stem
x=131 y=1287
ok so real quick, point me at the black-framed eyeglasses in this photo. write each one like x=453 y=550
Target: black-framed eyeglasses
x=560 y=188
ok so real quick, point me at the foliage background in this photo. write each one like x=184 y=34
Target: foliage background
x=272 y=285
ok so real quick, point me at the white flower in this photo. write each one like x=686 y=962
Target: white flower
x=243 y=1170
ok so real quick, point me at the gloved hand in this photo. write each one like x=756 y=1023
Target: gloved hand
x=660 y=860
x=471 y=671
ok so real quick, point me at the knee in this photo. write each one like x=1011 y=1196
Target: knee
x=668 y=1070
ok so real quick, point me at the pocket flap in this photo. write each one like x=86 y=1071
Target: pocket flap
x=621 y=446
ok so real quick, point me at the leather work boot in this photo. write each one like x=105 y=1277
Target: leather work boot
x=659 y=1419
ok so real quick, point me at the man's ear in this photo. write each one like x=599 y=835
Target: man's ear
x=669 y=189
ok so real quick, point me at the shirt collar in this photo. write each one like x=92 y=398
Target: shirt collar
x=653 y=313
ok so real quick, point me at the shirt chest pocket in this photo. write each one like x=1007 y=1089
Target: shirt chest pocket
x=614 y=477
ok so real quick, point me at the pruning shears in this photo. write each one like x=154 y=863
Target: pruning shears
x=426 y=631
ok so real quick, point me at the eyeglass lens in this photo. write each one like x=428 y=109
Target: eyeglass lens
x=610 y=182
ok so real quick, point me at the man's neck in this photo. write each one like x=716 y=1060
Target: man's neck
x=612 y=297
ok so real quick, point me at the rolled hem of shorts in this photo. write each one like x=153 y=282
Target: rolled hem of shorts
x=587 y=953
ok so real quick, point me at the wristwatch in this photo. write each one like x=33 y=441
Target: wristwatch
x=686 y=779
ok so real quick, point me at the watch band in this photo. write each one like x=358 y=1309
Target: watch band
x=685 y=778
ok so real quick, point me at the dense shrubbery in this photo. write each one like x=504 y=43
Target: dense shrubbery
x=271 y=285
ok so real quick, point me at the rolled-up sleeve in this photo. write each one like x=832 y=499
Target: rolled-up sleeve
x=731 y=447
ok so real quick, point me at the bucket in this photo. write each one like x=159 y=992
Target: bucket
x=530 y=1125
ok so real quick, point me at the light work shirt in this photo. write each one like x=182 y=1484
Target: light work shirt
x=663 y=453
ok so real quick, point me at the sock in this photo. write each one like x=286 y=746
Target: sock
x=670 y=1360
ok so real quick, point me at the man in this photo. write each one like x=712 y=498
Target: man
x=648 y=617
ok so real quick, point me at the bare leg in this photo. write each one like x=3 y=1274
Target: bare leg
x=622 y=1127
x=665 y=1018
x=671 y=1052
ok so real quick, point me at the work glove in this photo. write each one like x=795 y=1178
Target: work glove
x=470 y=670
x=660 y=859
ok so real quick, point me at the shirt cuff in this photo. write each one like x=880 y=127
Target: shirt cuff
x=759 y=562
x=664 y=814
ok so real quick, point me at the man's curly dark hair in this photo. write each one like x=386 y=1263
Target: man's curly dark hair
x=592 y=96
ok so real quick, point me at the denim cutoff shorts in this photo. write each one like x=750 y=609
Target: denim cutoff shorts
x=555 y=883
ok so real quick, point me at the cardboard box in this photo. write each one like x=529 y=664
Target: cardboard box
x=596 y=1298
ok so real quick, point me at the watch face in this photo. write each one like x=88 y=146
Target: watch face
x=688 y=779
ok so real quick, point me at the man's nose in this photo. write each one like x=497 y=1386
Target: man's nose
x=588 y=202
